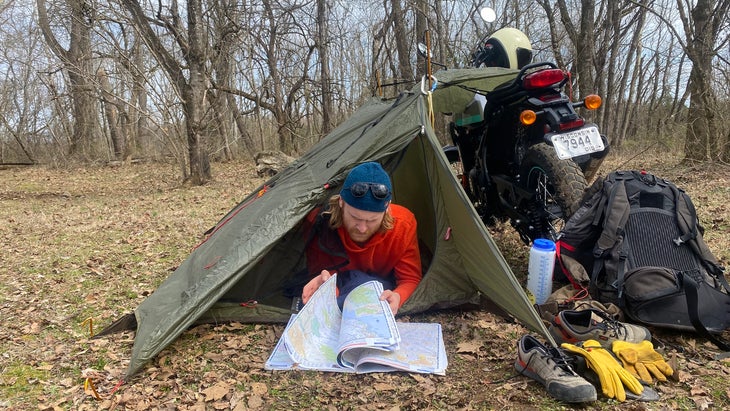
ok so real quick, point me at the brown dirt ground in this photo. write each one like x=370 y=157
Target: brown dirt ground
x=81 y=247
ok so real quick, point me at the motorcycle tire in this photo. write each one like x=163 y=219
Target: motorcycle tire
x=559 y=186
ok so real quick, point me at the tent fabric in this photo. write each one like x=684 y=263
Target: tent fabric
x=247 y=264
x=454 y=86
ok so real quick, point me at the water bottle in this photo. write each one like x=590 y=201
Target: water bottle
x=540 y=269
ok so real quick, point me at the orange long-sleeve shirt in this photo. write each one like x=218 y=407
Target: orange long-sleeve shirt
x=392 y=252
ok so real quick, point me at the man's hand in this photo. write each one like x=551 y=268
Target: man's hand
x=314 y=284
x=392 y=298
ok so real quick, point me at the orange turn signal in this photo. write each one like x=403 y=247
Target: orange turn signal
x=592 y=101
x=528 y=117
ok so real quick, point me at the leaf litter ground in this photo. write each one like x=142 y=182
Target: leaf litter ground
x=81 y=247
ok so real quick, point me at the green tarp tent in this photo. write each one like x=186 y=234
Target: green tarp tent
x=253 y=252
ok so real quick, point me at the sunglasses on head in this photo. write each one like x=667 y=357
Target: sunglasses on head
x=380 y=191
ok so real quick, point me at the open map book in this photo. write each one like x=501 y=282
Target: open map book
x=363 y=337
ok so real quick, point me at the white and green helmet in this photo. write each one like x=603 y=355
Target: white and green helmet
x=509 y=48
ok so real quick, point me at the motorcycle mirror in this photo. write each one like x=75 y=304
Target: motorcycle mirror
x=488 y=14
x=423 y=50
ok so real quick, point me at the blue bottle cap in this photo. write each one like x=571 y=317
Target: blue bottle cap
x=544 y=244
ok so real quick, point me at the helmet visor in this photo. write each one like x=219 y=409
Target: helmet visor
x=524 y=57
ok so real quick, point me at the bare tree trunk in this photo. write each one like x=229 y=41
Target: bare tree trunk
x=77 y=63
x=618 y=118
x=194 y=99
x=286 y=140
x=222 y=131
x=583 y=40
x=376 y=64
x=421 y=7
x=224 y=34
x=703 y=141
x=229 y=122
x=139 y=137
x=554 y=42
x=324 y=65
x=245 y=137
x=611 y=38
x=632 y=100
x=119 y=139
x=192 y=90
x=401 y=42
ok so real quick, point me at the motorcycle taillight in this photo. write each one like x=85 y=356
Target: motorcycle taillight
x=543 y=79
x=571 y=124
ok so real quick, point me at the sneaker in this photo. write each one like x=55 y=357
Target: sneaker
x=549 y=367
x=593 y=324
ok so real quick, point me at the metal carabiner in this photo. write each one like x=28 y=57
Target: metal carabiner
x=432 y=85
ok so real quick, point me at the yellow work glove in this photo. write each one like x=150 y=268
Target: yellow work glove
x=612 y=375
x=642 y=361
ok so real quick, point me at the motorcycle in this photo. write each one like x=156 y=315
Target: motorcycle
x=524 y=152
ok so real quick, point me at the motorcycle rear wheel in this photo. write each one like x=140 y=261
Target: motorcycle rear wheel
x=558 y=186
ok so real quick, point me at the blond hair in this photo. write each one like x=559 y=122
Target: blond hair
x=335 y=212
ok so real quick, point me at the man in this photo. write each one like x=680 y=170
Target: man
x=362 y=236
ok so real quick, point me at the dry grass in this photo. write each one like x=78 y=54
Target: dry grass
x=86 y=244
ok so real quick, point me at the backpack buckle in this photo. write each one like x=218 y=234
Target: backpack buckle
x=694 y=274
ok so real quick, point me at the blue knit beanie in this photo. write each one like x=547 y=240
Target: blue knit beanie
x=367 y=173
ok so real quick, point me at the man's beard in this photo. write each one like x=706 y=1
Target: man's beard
x=359 y=237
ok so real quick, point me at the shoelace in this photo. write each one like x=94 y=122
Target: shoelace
x=615 y=327
x=561 y=361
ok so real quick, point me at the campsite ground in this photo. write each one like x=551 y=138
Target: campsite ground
x=81 y=247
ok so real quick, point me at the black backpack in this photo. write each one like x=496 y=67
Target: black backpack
x=636 y=242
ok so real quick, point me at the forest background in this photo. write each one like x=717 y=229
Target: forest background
x=200 y=81
x=174 y=92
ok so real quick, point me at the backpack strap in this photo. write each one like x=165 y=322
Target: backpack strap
x=615 y=217
x=691 y=288
x=686 y=216
x=692 y=231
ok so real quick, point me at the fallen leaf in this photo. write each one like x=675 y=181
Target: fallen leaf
x=220 y=405
x=379 y=386
x=484 y=324
x=683 y=376
x=255 y=402
x=209 y=336
x=237 y=342
x=235 y=326
x=420 y=378
x=215 y=356
x=259 y=388
x=702 y=403
x=217 y=391
x=470 y=347
x=697 y=390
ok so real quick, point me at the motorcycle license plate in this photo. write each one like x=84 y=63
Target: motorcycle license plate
x=577 y=142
